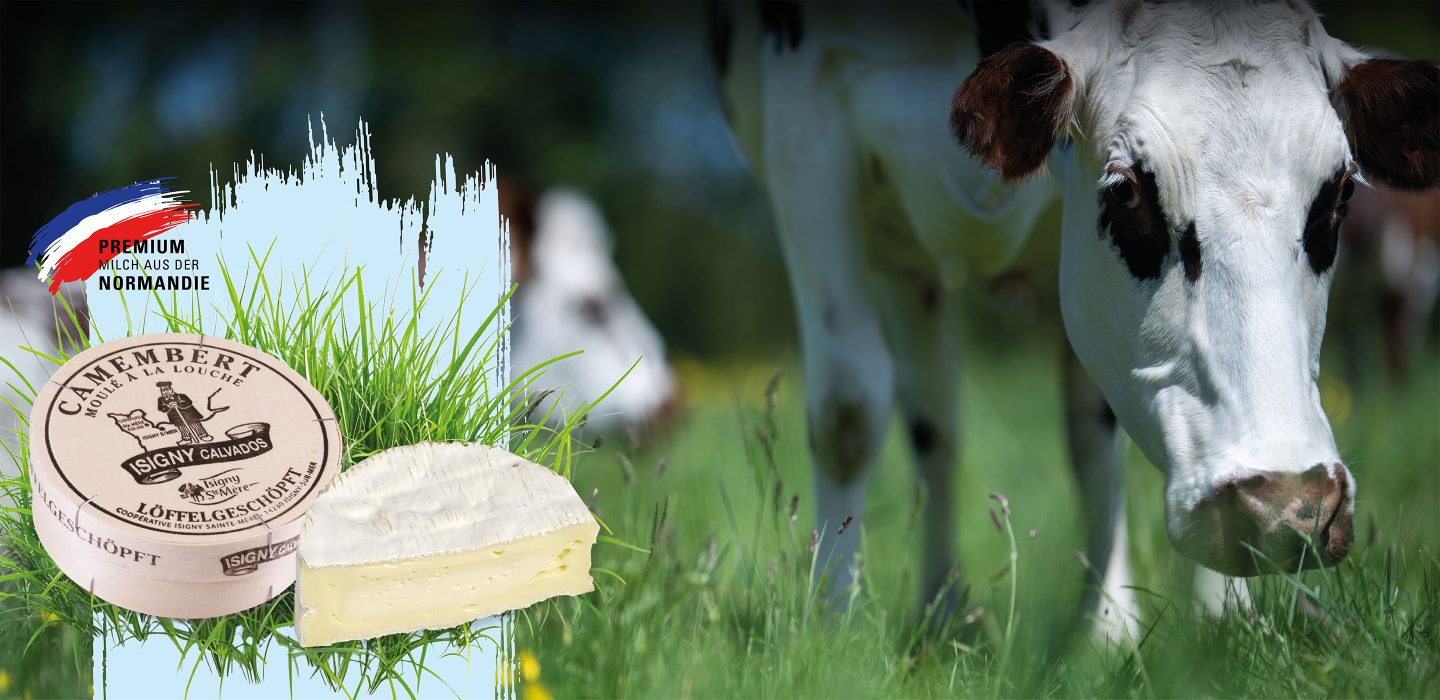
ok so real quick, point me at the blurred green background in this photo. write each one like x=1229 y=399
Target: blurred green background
x=613 y=98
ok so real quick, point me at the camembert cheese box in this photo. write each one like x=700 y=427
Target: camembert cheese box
x=171 y=472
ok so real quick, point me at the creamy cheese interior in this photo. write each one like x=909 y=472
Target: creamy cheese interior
x=337 y=603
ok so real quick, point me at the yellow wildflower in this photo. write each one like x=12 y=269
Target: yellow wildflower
x=530 y=672
x=4 y=681
x=47 y=617
x=535 y=691
x=529 y=667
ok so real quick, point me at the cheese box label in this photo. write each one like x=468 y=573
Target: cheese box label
x=164 y=464
x=183 y=434
x=249 y=560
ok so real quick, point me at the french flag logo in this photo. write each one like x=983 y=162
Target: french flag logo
x=92 y=232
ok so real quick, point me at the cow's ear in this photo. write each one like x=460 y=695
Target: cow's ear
x=1391 y=110
x=1008 y=111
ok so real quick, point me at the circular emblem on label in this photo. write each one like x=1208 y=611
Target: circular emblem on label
x=184 y=435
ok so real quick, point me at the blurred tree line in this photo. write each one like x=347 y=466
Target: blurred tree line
x=615 y=99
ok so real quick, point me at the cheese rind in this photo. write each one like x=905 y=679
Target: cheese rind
x=433 y=535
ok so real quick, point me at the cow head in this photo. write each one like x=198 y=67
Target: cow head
x=571 y=297
x=1211 y=150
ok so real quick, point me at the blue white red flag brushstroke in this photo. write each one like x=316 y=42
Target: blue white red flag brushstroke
x=92 y=232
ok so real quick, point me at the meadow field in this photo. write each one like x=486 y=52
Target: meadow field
x=720 y=606
x=704 y=587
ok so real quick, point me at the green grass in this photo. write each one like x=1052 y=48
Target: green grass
x=390 y=383
x=721 y=608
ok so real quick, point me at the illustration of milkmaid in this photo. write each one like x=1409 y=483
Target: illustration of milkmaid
x=183 y=415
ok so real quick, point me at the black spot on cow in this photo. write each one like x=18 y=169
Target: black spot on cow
x=930 y=299
x=781 y=20
x=722 y=37
x=924 y=436
x=999 y=23
x=1190 y=253
x=839 y=439
x=877 y=170
x=593 y=309
x=1131 y=217
x=1107 y=415
x=1321 y=238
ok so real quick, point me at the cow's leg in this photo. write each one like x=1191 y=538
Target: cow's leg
x=1214 y=593
x=848 y=399
x=1095 y=454
x=921 y=331
x=848 y=375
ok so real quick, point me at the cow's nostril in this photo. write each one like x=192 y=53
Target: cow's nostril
x=1340 y=531
x=1271 y=519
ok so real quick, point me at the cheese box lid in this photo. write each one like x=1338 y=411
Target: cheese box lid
x=182 y=440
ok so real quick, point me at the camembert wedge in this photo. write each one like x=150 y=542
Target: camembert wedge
x=434 y=535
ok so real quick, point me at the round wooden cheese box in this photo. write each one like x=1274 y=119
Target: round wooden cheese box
x=171 y=472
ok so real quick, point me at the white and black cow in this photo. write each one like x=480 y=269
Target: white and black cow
x=570 y=296
x=1205 y=154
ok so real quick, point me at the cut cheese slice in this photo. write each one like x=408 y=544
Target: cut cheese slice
x=434 y=535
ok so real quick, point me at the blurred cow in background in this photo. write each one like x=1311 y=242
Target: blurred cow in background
x=571 y=297
x=1392 y=242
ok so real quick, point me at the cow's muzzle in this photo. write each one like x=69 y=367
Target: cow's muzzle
x=1273 y=521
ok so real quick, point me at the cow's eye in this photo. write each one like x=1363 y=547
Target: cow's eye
x=1342 y=205
x=1124 y=193
x=592 y=309
x=1321 y=237
x=1130 y=217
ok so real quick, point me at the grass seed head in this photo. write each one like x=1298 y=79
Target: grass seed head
x=626 y=468
x=772 y=389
